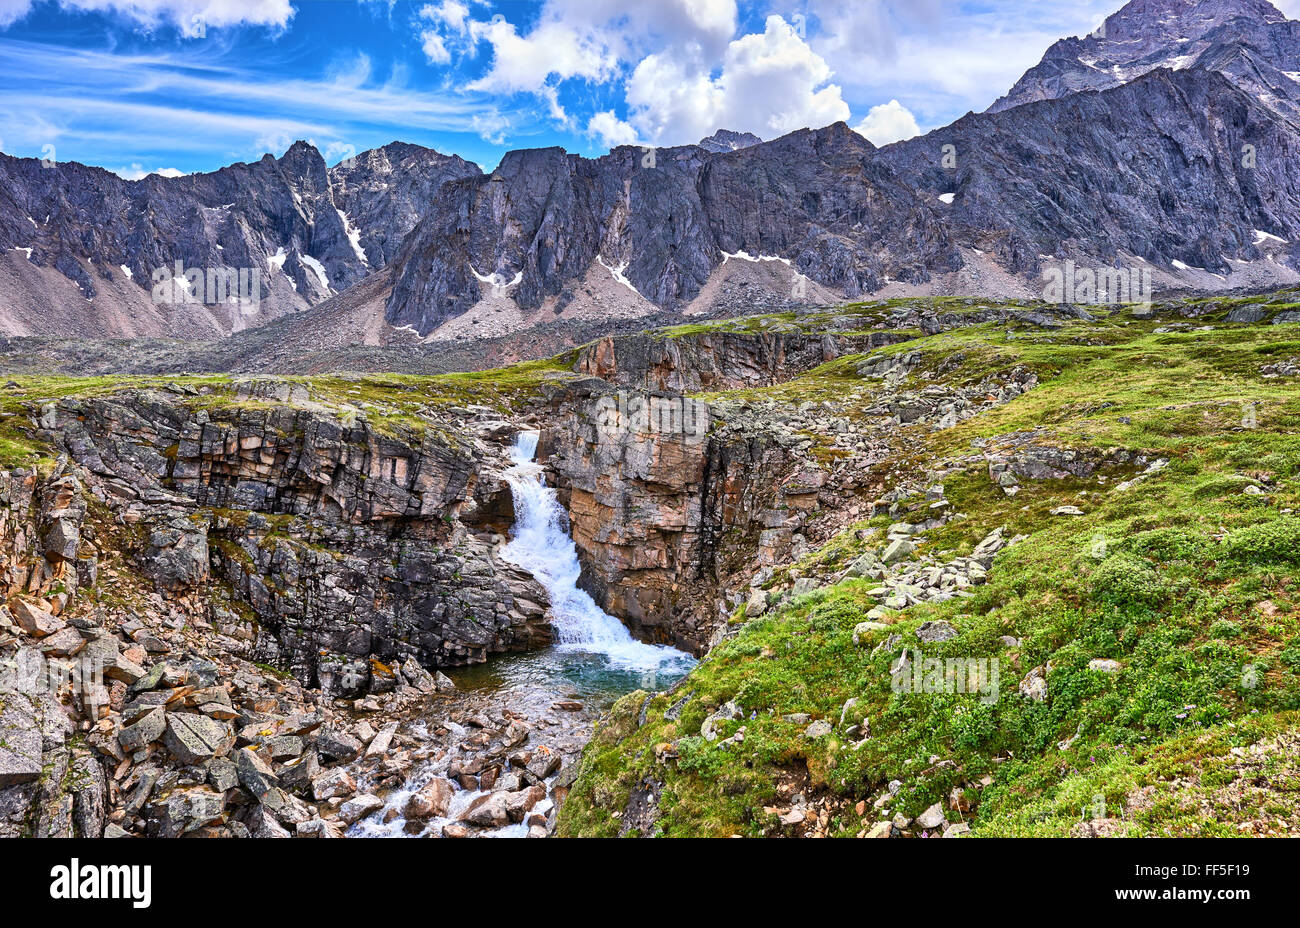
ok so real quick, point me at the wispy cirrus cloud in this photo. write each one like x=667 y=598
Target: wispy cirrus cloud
x=133 y=105
x=189 y=15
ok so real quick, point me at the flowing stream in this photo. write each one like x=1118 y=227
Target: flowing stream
x=559 y=690
x=541 y=545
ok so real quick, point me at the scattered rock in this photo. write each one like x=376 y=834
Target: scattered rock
x=932 y=817
x=936 y=631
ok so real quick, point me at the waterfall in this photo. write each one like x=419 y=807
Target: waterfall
x=541 y=545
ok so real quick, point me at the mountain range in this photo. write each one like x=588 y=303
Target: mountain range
x=1164 y=141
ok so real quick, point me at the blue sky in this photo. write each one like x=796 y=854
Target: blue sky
x=190 y=85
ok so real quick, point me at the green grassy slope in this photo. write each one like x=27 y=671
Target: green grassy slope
x=1188 y=578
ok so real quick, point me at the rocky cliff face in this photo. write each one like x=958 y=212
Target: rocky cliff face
x=130 y=712
x=1204 y=172
x=1249 y=41
x=648 y=504
x=664 y=223
x=83 y=244
x=41 y=522
x=670 y=498
x=716 y=360
x=725 y=140
x=347 y=544
x=384 y=193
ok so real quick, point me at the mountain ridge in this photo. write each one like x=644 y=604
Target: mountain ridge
x=1143 y=160
x=1148 y=34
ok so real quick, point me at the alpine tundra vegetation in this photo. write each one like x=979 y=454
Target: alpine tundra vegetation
x=1137 y=589
x=1028 y=494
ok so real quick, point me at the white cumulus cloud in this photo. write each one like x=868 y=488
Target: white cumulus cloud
x=435 y=49
x=611 y=130
x=888 y=122
x=683 y=69
x=137 y=172
x=770 y=83
x=13 y=10
x=590 y=40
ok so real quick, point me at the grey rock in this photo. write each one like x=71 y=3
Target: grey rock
x=184 y=811
x=193 y=739
x=255 y=774
x=223 y=775
x=34 y=620
x=932 y=817
x=899 y=550
x=89 y=789
x=936 y=631
x=359 y=807
x=489 y=811
x=261 y=823
x=864 y=631
x=317 y=828
x=1034 y=685
x=335 y=746
x=148 y=729
x=729 y=711
x=333 y=784
x=1248 y=314
x=819 y=729
x=20 y=739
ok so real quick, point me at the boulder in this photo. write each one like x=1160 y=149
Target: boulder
x=148 y=729
x=33 y=619
x=255 y=774
x=819 y=729
x=865 y=630
x=430 y=801
x=20 y=739
x=359 y=807
x=932 y=817
x=193 y=739
x=1034 y=685
x=333 y=784
x=490 y=811
x=728 y=712
x=936 y=631
x=898 y=550
x=335 y=746
x=520 y=803
x=318 y=828
x=183 y=811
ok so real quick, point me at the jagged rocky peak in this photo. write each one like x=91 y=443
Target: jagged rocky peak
x=1150 y=23
x=1152 y=204
x=305 y=165
x=90 y=241
x=384 y=192
x=1176 y=34
x=725 y=140
x=545 y=218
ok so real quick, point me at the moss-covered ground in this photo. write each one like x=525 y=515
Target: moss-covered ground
x=1187 y=578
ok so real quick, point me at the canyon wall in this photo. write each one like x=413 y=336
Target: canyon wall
x=346 y=542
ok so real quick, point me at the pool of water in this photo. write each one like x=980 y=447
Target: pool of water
x=539 y=680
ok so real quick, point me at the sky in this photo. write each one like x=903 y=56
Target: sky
x=176 y=86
